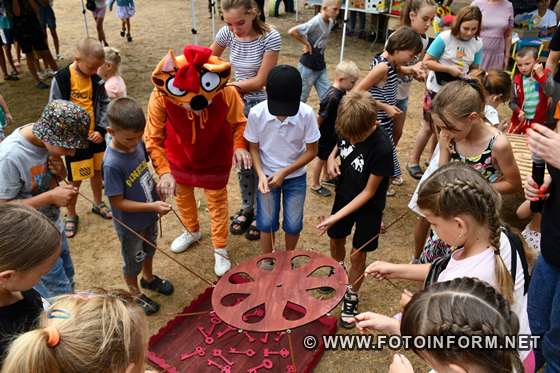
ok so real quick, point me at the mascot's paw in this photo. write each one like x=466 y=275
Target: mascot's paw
x=222 y=263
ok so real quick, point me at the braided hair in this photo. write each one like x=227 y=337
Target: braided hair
x=456 y=189
x=463 y=307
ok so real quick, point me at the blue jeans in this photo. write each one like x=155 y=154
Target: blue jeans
x=60 y=279
x=311 y=78
x=292 y=192
x=543 y=307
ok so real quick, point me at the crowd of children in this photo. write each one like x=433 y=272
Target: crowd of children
x=475 y=269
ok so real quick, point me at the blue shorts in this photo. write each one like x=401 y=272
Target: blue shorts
x=292 y=192
x=403 y=104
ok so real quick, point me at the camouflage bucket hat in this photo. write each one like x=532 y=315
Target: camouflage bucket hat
x=63 y=124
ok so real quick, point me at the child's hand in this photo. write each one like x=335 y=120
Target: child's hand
x=263 y=185
x=538 y=70
x=56 y=166
x=242 y=159
x=521 y=116
x=161 y=207
x=9 y=119
x=374 y=321
x=276 y=179
x=381 y=270
x=418 y=71
x=166 y=186
x=400 y=364
x=405 y=298
x=307 y=49
x=95 y=137
x=62 y=195
x=392 y=111
x=326 y=223
x=333 y=169
x=456 y=71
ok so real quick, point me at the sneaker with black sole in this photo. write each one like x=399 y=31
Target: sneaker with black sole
x=128 y=38
x=164 y=287
x=148 y=305
x=349 y=310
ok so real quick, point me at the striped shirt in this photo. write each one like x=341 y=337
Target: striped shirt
x=246 y=56
x=531 y=97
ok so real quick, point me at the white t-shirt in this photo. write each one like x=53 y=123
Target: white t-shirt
x=482 y=267
x=433 y=166
x=491 y=115
x=543 y=23
x=281 y=143
x=449 y=50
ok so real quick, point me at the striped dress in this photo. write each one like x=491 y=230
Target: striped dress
x=386 y=92
x=246 y=56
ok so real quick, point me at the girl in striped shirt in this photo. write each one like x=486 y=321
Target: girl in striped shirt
x=254 y=48
x=381 y=82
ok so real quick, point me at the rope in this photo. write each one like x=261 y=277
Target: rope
x=291 y=346
x=189 y=314
x=148 y=242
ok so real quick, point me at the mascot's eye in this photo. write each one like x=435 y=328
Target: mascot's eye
x=209 y=81
x=174 y=90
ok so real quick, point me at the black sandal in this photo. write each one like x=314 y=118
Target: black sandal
x=71 y=225
x=102 y=210
x=237 y=226
x=157 y=284
x=148 y=306
x=253 y=234
x=415 y=171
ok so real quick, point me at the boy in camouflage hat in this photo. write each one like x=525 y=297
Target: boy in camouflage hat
x=30 y=168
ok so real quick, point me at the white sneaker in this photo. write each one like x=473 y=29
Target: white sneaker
x=221 y=262
x=185 y=240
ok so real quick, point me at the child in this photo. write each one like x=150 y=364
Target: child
x=541 y=19
x=101 y=331
x=31 y=166
x=497 y=89
x=464 y=136
x=531 y=88
x=110 y=73
x=282 y=135
x=131 y=191
x=367 y=164
x=6 y=118
x=29 y=247
x=451 y=55
x=381 y=82
x=464 y=210
x=532 y=231
x=80 y=84
x=346 y=75
x=314 y=35
x=458 y=308
x=125 y=11
x=418 y=15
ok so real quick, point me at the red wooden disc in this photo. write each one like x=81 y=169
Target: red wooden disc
x=283 y=292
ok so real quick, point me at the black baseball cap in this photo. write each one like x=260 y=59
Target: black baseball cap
x=283 y=90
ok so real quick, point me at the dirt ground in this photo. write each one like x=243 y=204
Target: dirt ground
x=157 y=26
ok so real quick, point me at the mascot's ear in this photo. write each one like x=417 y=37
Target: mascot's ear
x=169 y=62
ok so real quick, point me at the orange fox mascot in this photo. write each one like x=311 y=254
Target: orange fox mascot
x=194 y=127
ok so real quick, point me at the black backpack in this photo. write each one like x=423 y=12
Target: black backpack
x=90 y=5
x=516 y=250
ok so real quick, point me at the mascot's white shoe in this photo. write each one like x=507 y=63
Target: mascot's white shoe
x=221 y=262
x=185 y=240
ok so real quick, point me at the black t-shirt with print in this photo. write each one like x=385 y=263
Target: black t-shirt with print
x=373 y=156
x=18 y=318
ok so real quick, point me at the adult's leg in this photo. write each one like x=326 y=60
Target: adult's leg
x=186 y=204
x=218 y=207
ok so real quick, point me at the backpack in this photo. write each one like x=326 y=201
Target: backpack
x=516 y=250
x=90 y=5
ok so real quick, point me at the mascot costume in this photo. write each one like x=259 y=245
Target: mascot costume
x=194 y=127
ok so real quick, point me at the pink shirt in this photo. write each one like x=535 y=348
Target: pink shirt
x=115 y=87
x=497 y=17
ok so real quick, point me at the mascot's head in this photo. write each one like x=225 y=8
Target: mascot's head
x=193 y=79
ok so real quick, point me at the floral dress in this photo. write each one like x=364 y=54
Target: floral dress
x=483 y=163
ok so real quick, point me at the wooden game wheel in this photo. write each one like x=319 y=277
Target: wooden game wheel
x=285 y=290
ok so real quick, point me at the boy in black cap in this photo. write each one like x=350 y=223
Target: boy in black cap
x=282 y=133
x=31 y=165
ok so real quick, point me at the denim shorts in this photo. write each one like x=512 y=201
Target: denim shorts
x=403 y=104
x=134 y=251
x=292 y=193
